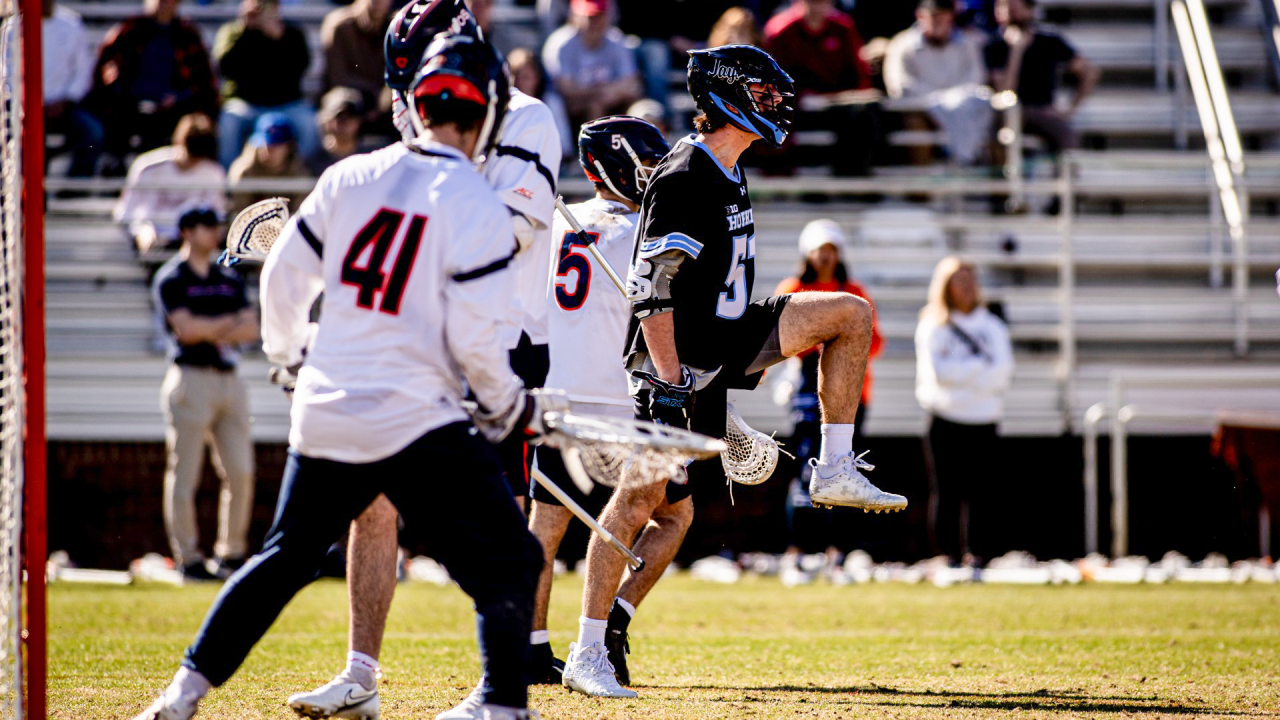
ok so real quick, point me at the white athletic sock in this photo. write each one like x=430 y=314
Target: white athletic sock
x=631 y=609
x=538 y=637
x=363 y=669
x=837 y=441
x=591 y=631
x=187 y=684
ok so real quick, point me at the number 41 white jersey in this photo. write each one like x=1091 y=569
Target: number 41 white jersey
x=587 y=316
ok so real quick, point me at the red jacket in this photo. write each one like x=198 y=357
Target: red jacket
x=793 y=284
x=822 y=62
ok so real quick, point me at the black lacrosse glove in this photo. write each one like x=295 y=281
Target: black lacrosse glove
x=670 y=404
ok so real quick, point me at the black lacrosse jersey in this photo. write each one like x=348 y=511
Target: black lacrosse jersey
x=695 y=205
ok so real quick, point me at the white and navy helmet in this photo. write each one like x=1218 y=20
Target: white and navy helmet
x=412 y=30
x=613 y=150
x=466 y=70
x=720 y=81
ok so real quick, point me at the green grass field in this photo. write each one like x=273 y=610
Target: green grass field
x=752 y=650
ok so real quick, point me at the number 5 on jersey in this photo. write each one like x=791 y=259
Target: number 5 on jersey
x=733 y=301
x=377 y=237
x=574 y=258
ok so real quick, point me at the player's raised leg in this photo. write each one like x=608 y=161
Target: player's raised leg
x=840 y=324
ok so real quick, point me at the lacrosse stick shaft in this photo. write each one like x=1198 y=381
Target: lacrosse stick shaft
x=591 y=246
x=636 y=563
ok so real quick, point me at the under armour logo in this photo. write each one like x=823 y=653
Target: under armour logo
x=742 y=190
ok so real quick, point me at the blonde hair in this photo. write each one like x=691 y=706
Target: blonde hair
x=739 y=19
x=939 y=306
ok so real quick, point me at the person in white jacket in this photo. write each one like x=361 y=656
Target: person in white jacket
x=964 y=364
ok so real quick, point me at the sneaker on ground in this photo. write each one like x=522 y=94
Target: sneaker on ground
x=615 y=641
x=589 y=671
x=841 y=483
x=471 y=707
x=167 y=708
x=198 y=572
x=341 y=697
x=501 y=712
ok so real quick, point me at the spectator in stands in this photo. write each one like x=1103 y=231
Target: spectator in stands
x=163 y=181
x=352 y=40
x=822 y=269
x=261 y=59
x=1027 y=60
x=590 y=64
x=737 y=26
x=652 y=112
x=939 y=66
x=152 y=70
x=818 y=46
x=68 y=75
x=206 y=313
x=663 y=29
x=272 y=152
x=964 y=365
x=339 y=120
x=529 y=78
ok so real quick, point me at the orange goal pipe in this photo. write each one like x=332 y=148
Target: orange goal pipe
x=35 y=455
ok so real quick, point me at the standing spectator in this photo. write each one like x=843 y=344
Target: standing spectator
x=206 y=313
x=339 y=120
x=528 y=77
x=590 y=64
x=822 y=269
x=819 y=47
x=737 y=26
x=262 y=60
x=68 y=75
x=939 y=65
x=352 y=40
x=152 y=70
x=163 y=181
x=272 y=152
x=964 y=365
x=1028 y=61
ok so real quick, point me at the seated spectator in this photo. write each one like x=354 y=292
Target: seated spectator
x=1027 y=60
x=68 y=75
x=529 y=78
x=818 y=46
x=737 y=26
x=164 y=180
x=941 y=67
x=652 y=112
x=665 y=29
x=152 y=70
x=352 y=40
x=339 y=120
x=261 y=59
x=272 y=152
x=205 y=313
x=590 y=64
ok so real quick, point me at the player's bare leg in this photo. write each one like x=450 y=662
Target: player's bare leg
x=371 y=584
x=841 y=324
x=658 y=544
x=548 y=523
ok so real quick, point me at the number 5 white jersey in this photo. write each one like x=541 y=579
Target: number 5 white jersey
x=587 y=316
x=411 y=248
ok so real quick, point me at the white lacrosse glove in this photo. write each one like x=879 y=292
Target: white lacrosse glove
x=524 y=416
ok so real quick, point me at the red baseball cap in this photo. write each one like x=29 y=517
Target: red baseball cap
x=589 y=8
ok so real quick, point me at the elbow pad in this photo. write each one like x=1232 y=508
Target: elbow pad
x=649 y=284
x=524 y=230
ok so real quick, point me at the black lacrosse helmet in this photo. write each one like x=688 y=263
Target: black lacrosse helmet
x=463 y=69
x=613 y=150
x=720 y=80
x=412 y=30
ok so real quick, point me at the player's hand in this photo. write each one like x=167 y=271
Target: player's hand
x=525 y=416
x=670 y=403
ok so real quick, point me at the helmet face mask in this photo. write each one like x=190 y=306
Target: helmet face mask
x=619 y=152
x=741 y=85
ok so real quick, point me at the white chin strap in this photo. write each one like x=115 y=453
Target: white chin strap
x=640 y=168
x=490 y=127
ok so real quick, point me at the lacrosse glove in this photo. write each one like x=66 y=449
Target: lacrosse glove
x=524 y=416
x=670 y=404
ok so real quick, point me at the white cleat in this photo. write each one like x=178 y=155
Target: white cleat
x=471 y=708
x=841 y=483
x=167 y=708
x=588 y=670
x=501 y=712
x=339 y=698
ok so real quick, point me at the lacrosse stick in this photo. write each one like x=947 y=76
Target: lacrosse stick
x=622 y=452
x=254 y=231
x=585 y=239
x=751 y=456
x=636 y=563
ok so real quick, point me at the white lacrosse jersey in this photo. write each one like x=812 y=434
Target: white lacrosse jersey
x=412 y=251
x=588 y=317
x=523 y=170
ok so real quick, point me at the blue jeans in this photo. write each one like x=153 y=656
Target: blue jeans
x=85 y=138
x=448 y=486
x=654 y=58
x=236 y=121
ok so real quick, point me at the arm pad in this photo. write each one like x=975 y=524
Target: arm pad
x=649 y=284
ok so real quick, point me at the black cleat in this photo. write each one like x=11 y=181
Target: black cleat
x=615 y=641
x=547 y=668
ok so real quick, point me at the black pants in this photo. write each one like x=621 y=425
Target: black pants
x=531 y=363
x=449 y=488
x=959 y=458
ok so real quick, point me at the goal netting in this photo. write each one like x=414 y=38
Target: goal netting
x=11 y=356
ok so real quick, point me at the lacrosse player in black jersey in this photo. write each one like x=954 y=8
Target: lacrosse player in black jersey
x=696 y=334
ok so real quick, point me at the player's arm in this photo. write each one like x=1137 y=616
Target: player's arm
x=293 y=277
x=190 y=329
x=524 y=170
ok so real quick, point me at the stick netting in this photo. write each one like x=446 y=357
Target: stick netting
x=629 y=453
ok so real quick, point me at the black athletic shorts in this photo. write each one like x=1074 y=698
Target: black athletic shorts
x=754 y=333
x=531 y=363
x=551 y=464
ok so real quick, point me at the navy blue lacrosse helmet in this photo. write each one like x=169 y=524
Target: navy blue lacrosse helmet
x=412 y=30
x=613 y=150
x=463 y=69
x=721 y=80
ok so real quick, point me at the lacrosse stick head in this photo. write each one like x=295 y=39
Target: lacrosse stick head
x=751 y=456
x=255 y=230
x=622 y=452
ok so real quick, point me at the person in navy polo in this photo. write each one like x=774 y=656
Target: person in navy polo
x=206 y=316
